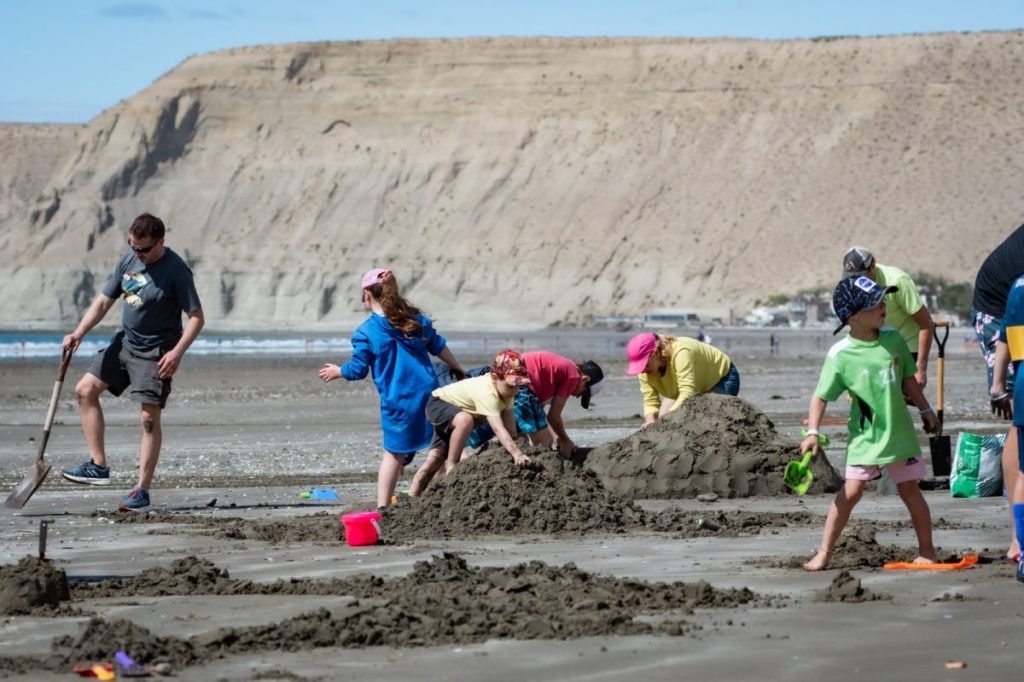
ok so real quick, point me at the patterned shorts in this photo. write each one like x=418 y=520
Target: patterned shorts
x=530 y=418
x=986 y=328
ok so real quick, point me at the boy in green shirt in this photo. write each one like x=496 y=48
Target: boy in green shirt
x=873 y=365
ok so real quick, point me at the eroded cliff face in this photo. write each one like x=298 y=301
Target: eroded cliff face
x=520 y=182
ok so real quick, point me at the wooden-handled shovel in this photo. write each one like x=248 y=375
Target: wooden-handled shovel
x=39 y=470
x=939 y=443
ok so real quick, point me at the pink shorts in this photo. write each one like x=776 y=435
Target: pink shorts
x=900 y=472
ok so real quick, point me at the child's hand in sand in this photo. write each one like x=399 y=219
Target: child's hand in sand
x=329 y=372
x=520 y=458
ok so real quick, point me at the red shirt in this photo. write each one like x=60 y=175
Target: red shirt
x=551 y=375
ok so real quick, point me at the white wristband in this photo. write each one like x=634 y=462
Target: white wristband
x=925 y=411
x=812 y=432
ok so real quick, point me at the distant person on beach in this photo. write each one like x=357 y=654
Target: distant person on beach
x=158 y=288
x=874 y=366
x=553 y=380
x=905 y=311
x=672 y=370
x=395 y=344
x=456 y=409
x=1010 y=348
x=991 y=291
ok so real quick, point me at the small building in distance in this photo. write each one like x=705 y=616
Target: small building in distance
x=670 y=318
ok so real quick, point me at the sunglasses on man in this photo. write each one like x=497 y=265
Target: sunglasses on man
x=142 y=249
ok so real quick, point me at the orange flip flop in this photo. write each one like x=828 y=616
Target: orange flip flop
x=968 y=561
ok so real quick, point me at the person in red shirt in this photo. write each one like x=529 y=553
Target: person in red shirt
x=553 y=380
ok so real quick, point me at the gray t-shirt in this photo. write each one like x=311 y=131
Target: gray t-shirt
x=155 y=296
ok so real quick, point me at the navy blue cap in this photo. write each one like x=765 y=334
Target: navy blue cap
x=854 y=294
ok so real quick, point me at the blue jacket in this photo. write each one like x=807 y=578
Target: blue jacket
x=1012 y=334
x=404 y=377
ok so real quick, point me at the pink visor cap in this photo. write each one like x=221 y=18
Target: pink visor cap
x=639 y=350
x=374 y=277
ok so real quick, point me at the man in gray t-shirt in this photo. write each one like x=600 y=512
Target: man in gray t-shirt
x=158 y=288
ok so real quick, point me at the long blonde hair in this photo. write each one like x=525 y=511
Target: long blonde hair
x=664 y=347
x=400 y=313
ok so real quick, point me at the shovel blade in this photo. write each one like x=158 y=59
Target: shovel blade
x=798 y=477
x=941 y=455
x=28 y=486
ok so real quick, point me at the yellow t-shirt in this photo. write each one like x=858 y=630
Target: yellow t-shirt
x=692 y=369
x=476 y=395
x=900 y=305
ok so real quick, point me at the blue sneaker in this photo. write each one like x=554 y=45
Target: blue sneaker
x=137 y=500
x=88 y=473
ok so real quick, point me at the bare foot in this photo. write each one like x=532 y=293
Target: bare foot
x=1014 y=552
x=926 y=556
x=819 y=561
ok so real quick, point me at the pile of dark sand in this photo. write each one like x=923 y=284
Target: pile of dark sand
x=489 y=494
x=442 y=601
x=712 y=444
x=31 y=585
x=846 y=588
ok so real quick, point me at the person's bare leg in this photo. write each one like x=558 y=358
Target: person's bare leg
x=423 y=476
x=838 y=514
x=1017 y=496
x=921 y=518
x=88 y=391
x=149 y=450
x=462 y=426
x=1010 y=477
x=387 y=478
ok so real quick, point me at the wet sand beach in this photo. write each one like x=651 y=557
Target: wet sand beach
x=243 y=436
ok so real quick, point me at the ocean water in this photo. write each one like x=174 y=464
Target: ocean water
x=15 y=345
x=597 y=343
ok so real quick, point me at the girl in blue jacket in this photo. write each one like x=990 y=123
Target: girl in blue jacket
x=395 y=345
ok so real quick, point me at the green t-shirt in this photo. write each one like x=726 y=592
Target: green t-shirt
x=881 y=428
x=900 y=305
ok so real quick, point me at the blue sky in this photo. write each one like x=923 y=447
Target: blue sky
x=67 y=60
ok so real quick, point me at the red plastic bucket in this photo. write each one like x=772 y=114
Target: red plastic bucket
x=361 y=528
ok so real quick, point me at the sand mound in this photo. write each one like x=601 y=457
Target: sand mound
x=31 y=584
x=442 y=601
x=846 y=588
x=489 y=495
x=101 y=639
x=712 y=444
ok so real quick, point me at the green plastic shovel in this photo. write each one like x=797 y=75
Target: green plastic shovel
x=798 y=476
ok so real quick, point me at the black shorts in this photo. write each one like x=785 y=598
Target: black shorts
x=440 y=415
x=120 y=368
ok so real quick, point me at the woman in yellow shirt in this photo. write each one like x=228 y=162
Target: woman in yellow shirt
x=674 y=369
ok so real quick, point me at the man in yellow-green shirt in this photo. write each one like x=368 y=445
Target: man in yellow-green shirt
x=676 y=369
x=904 y=310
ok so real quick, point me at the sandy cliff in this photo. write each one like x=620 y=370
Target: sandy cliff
x=528 y=181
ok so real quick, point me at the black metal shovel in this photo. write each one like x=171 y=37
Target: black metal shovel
x=939 y=443
x=38 y=471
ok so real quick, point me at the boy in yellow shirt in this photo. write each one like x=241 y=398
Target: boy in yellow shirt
x=456 y=409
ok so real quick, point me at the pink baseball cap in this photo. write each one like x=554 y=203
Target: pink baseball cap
x=374 y=276
x=639 y=350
